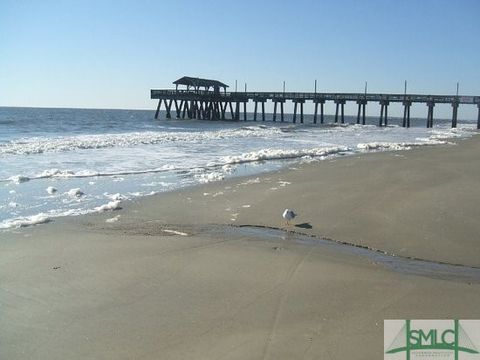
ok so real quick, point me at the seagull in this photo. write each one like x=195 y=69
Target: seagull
x=288 y=215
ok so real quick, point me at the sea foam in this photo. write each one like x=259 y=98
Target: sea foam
x=25 y=221
x=36 y=145
x=279 y=154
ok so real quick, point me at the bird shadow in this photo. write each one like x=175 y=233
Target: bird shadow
x=304 y=225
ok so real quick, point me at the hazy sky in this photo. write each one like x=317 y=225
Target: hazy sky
x=109 y=53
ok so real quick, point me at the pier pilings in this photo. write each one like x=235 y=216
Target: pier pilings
x=430 y=105
x=478 y=117
x=214 y=105
x=383 y=120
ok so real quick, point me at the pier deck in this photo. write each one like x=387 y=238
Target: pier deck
x=222 y=105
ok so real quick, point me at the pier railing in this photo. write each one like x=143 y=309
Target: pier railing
x=227 y=96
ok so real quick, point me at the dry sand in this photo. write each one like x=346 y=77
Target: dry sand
x=84 y=288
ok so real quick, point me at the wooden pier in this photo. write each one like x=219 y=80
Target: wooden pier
x=199 y=101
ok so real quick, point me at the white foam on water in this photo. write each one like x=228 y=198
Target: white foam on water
x=281 y=154
x=51 y=190
x=75 y=193
x=66 y=174
x=112 y=205
x=164 y=160
x=37 y=145
x=210 y=177
x=42 y=218
x=115 y=197
x=25 y=221
x=18 y=179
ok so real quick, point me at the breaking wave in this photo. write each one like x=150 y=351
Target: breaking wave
x=38 y=145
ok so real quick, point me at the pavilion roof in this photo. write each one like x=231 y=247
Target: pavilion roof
x=193 y=81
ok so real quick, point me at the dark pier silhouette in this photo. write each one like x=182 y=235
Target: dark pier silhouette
x=209 y=100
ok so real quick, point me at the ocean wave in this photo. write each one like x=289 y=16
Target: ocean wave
x=38 y=145
x=64 y=174
x=398 y=145
x=215 y=168
x=280 y=154
x=437 y=137
x=43 y=218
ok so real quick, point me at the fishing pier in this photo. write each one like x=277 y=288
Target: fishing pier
x=209 y=100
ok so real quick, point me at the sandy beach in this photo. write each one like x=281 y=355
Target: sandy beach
x=168 y=277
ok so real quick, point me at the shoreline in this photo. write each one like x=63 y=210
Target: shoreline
x=146 y=204
x=223 y=167
x=357 y=198
x=168 y=279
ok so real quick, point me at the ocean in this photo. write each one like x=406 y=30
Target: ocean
x=67 y=162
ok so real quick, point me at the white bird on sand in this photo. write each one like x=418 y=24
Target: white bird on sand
x=288 y=215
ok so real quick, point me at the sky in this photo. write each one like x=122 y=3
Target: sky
x=110 y=53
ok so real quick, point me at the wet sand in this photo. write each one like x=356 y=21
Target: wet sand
x=168 y=280
x=422 y=203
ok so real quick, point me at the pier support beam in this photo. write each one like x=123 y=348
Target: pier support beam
x=203 y=111
x=406 y=113
x=282 y=118
x=185 y=109
x=237 y=110
x=361 y=111
x=340 y=105
x=223 y=108
x=198 y=111
x=336 y=111
x=315 y=113
x=322 y=119
x=301 y=112
x=259 y=100
x=208 y=110
x=430 y=105
x=295 y=106
x=177 y=110
x=386 y=115
x=231 y=110
x=454 y=114
x=168 y=105
x=275 y=103
x=216 y=110
x=478 y=118
x=158 y=108
x=383 y=113
x=295 y=112
x=193 y=110
x=321 y=102
x=244 y=111
x=342 y=108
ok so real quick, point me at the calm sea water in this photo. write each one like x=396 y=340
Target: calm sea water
x=56 y=162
